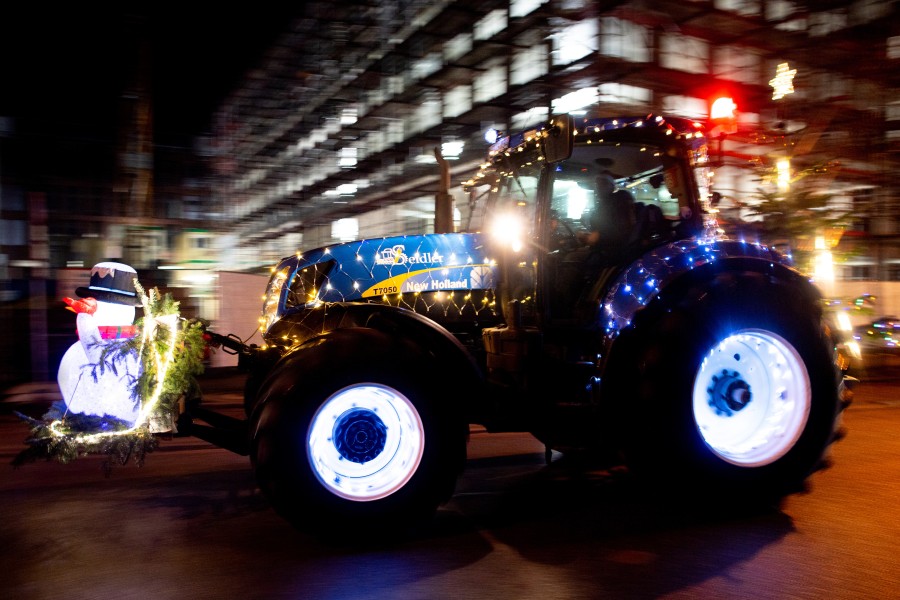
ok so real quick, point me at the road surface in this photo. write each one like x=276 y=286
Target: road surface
x=191 y=523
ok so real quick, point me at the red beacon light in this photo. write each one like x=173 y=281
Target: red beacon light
x=722 y=108
x=723 y=115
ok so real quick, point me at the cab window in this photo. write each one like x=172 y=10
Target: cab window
x=510 y=223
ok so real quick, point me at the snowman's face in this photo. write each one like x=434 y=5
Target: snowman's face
x=114 y=314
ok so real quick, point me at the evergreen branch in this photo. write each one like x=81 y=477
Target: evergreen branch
x=63 y=436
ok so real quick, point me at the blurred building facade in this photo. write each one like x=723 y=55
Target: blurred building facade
x=332 y=135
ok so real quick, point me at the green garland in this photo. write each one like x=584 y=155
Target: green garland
x=44 y=444
x=64 y=436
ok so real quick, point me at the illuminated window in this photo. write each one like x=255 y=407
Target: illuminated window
x=893 y=47
x=684 y=106
x=741 y=7
x=892 y=111
x=780 y=12
x=407 y=218
x=575 y=100
x=684 y=53
x=345 y=230
x=332 y=125
x=457 y=101
x=623 y=39
x=393 y=85
x=374 y=142
x=529 y=118
x=520 y=8
x=529 y=62
x=736 y=64
x=574 y=42
x=347 y=157
x=349 y=115
x=490 y=25
x=451 y=149
x=458 y=47
x=428 y=113
x=491 y=83
x=617 y=93
x=394 y=130
x=426 y=66
x=823 y=23
x=376 y=97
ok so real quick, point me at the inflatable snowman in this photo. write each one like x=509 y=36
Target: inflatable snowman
x=105 y=314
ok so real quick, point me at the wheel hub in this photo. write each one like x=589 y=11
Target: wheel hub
x=365 y=442
x=752 y=397
x=359 y=435
x=728 y=393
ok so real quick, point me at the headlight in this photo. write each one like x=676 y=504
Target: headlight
x=272 y=299
x=508 y=229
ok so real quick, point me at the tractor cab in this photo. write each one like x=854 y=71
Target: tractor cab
x=573 y=202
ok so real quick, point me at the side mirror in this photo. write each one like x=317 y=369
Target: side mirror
x=558 y=142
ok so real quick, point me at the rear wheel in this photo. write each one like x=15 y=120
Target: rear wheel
x=354 y=434
x=729 y=391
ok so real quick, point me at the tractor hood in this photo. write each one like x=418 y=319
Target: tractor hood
x=380 y=267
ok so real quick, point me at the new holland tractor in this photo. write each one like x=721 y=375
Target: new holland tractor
x=589 y=301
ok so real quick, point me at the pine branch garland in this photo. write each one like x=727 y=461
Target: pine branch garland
x=170 y=350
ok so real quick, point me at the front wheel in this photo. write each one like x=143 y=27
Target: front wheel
x=365 y=442
x=355 y=434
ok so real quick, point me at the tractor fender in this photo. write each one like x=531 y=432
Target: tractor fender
x=341 y=329
x=664 y=275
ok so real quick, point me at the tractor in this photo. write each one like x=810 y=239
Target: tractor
x=588 y=299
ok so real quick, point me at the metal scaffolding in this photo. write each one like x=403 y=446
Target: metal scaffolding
x=349 y=79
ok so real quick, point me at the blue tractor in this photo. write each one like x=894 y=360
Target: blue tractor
x=590 y=301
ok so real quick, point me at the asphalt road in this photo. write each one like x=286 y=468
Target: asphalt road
x=191 y=523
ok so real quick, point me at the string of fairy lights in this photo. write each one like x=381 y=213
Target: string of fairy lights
x=460 y=287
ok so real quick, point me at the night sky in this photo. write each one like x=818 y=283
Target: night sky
x=63 y=70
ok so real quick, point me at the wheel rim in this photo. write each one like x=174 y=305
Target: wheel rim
x=365 y=442
x=751 y=398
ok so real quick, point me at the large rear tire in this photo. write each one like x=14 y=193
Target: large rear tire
x=731 y=391
x=355 y=434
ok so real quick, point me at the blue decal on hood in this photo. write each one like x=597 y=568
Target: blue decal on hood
x=402 y=264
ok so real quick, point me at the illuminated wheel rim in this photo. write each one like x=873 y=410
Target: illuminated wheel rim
x=365 y=442
x=751 y=398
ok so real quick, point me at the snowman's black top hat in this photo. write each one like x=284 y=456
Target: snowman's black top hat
x=111 y=282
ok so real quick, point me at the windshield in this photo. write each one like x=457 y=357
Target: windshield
x=594 y=173
x=509 y=222
x=503 y=205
